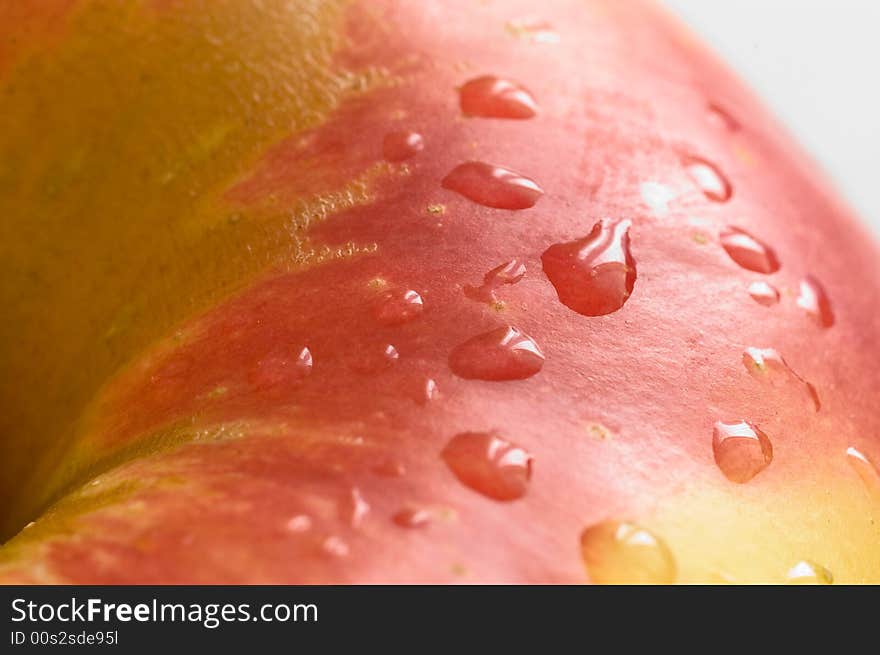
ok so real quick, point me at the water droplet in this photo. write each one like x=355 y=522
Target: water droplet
x=335 y=546
x=299 y=523
x=505 y=353
x=354 y=508
x=814 y=300
x=764 y=293
x=767 y=365
x=493 y=97
x=411 y=517
x=538 y=31
x=374 y=360
x=748 y=251
x=708 y=178
x=489 y=464
x=594 y=275
x=493 y=186
x=401 y=145
x=807 y=572
x=280 y=369
x=398 y=306
x=623 y=553
x=509 y=272
x=866 y=470
x=741 y=450
x=657 y=196
x=427 y=392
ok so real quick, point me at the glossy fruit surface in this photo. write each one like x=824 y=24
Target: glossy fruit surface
x=237 y=288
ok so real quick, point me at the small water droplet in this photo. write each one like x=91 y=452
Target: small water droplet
x=807 y=572
x=354 y=508
x=493 y=186
x=493 y=97
x=865 y=469
x=427 y=392
x=398 y=146
x=657 y=196
x=814 y=300
x=721 y=118
x=538 y=31
x=509 y=272
x=411 y=517
x=764 y=293
x=489 y=464
x=505 y=353
x=741 y=450
x=335 y=546
x=594 y=275
x=748 y=251
x=767 y=365
x=708 y=178
x=398 y=307
x=280 y=369
x=299 y=523
x=623 y=553
x=374 y=359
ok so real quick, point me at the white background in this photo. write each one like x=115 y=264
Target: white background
x=816 y=63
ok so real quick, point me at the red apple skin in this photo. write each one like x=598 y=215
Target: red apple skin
x=201 y=451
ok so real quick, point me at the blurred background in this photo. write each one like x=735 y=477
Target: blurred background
x=815 y=63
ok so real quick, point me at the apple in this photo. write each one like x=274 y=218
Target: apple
x=433 y=292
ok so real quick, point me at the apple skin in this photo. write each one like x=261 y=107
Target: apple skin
x=199 y=192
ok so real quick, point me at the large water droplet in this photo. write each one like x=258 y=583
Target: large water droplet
x=505 y=353
x=865 y=469
x=807 y=572
x=398 y=306
x=624 y=553
x=489 y=464
x=509 y=272
x=401 y=145
x=494 y=97
x=764 y=293
x=767 y=365
x=594 y=275
x=373 y=359
x=281 y=369
x=493 y=186
x=814 y=300
x=708 y=178
x=741 y=450
x=749 y=252
x=412 y=517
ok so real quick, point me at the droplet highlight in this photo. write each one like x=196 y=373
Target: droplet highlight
x=624 y=553
x=399 y=306
x=708 y=178
x=402 y=145
x=354 y=508
x=411 y=517
x=489 y=464
x=809 y=573
x=741 y=450
x=749 y=252
x=505 y=353
x=813 y=299
x=594 y=275
x=493 y=186
x=768 y=366
x=764 y=293
x=866 y=469
x=279 y=370
x=494 y=97
x=373 y=360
